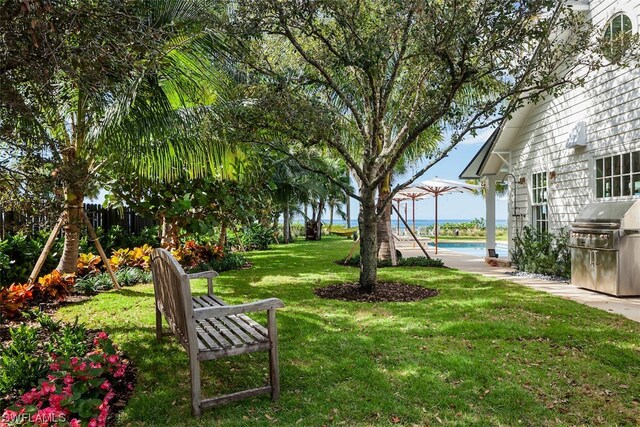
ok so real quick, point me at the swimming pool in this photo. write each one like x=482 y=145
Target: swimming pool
x=472 y=248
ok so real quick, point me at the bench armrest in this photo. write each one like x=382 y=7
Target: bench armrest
x=203 y=275
x=209 y=275
x=228 y=310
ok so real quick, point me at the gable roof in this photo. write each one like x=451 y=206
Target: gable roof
x=489 y=159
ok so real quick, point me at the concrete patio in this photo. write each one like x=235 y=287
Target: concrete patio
x=627 y=307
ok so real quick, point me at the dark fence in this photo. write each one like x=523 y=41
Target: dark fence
x=126 y=218
x=100 y=217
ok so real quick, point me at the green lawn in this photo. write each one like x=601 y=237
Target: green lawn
x=483 y=352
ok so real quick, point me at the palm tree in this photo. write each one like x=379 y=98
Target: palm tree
x=136 y=116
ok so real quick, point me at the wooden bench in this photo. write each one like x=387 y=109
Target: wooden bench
x=208 y=328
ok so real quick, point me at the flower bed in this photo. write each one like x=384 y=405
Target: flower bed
x=78 y=386
x=131 y=267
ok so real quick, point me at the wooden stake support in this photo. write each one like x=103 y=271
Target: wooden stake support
x=46 y=249
x=105 y=260
x=411 y=231
x=392 y=245
x=353 y=248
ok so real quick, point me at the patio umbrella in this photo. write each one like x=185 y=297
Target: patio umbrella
x=437 y=187
x=413 y=194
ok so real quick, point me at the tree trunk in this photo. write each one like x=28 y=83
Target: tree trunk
x=386 y=245
x=74 y=201
x=348 y=207
x=223 y=234
x=318 y=218
x=286 y=223
x=170 y=229
x=331 y=215
x=368 y=241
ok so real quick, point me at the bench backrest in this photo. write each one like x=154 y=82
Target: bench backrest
x=173 y=295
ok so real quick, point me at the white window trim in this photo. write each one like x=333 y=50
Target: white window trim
x=532 y=192
x=622 y=7
x=594 y=180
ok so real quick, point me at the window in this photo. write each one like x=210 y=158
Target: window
x=539 y=191
x=618 y=176
x=617 y=36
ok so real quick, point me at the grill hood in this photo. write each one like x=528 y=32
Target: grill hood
x=624 y=215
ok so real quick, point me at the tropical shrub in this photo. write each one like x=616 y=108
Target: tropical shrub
x=55 y=285
x=254 y=237
x=354 y=261
x=68 y=340
x=19 y=252
x=542 y=253
x=20 y=362
x=192 y=254
x=230 y=261
x=88 y=264
x=14 y=299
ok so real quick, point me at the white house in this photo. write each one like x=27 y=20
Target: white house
x=564 y=153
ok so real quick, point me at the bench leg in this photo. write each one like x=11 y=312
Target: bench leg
x=274 y=370
x=196 y=392
x=158 y=324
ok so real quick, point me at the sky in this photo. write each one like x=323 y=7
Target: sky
x=456 y=205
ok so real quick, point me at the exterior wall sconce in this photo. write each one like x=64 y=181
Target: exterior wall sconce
x=552 y=175
x=522 y=180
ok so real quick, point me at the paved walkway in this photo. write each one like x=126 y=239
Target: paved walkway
x=627 y=307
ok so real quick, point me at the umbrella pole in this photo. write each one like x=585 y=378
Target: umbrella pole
x=398 y=218
x=436 y=226
x=413 y=201
x=413 y=215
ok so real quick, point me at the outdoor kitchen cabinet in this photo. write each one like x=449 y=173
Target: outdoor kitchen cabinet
x=605 y=248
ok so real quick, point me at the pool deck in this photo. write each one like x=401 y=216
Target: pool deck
x=627 y=307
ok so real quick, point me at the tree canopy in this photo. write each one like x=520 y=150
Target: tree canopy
x=369 y=80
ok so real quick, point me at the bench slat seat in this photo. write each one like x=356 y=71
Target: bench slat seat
x=208 y=328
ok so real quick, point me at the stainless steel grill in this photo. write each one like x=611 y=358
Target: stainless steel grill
x=605 y=248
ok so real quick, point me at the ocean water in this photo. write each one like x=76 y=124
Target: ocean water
x=419 y=222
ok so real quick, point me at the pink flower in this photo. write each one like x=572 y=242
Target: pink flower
x=31 y=396
x=74 y=360
x=102 y=335
x=95 y=365
x=93 y=422
x=55 y=401
x=110 y=395
x=48 y=387
x=68 y=379
x=113 y=359
x=54 y=366
x=9 y=415
x=106 y=385
x=81 y=367
x=75 y=423
x=120 y=371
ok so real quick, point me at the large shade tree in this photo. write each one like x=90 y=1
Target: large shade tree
x=92 y=83
x=370 y=79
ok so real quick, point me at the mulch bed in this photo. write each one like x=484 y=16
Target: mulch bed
x=384 y=292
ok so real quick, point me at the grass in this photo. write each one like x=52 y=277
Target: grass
x=483 y=352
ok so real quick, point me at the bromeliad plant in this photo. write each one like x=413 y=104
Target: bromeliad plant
x=77 y=390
